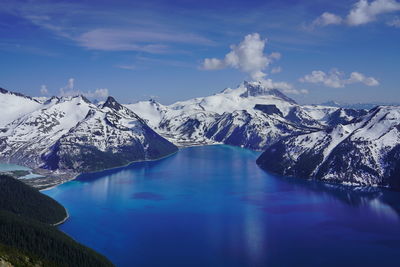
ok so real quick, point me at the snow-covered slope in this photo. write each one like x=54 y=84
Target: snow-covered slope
x=26 y=138
x=366 y=151
x=250 y=116
x=14 y=105
x=107 y=137
x=70 y=134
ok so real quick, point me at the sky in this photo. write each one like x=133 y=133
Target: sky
x=314 y=51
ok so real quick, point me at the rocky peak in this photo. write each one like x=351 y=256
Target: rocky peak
x=257 y=89
x=113 y=104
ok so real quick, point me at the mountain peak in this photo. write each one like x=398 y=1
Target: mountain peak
x=258 y=89
x=112 y=103
x=254 y=89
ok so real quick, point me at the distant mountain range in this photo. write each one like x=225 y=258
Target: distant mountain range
x=70 y=135
x=367 y=106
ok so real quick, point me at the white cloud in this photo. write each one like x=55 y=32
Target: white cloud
x=276 y=70
x=394 y=23
x=100 y=93
x=356 y=77
x=135 y=40
x=69 y=90
x=79 y=22
x=213 y=64
x=285 y=87
x=44 y=90
x=335 y=78
x=247 y=56
x=362 y=12
x=327 y=19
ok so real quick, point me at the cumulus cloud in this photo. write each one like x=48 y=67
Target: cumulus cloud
x=336 y=78
x=327 y=19
x=69 y=90
x=44 y=90
x=362 y=12
x=247 y=56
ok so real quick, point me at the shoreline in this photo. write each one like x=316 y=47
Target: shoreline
x=122 y=166
x=63 y=220
x=54 y=186
x=126 y=165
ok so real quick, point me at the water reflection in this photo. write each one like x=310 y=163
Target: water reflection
x=212 y=206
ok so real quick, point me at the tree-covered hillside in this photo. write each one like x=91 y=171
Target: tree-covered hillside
x=27 y=237
x=21 y=199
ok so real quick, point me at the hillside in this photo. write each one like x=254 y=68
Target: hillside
x=23 y=200
x=26 y=235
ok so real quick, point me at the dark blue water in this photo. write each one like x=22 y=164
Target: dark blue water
x=212 y=206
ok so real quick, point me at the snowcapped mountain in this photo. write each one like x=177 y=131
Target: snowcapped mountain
x=15 y=105
x=69 y=135
x=366 y=151
x=107 y=137
x=250 y=116
x=72 y=135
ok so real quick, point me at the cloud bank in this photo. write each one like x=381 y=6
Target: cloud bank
x=335 y=79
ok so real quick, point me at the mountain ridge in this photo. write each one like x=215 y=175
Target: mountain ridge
x=364 y=152
x=59 y=136
x=238 y=111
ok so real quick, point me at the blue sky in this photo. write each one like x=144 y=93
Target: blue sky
x=314 y=51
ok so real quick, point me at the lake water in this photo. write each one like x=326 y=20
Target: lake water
x=6 y=167
x=212 y=206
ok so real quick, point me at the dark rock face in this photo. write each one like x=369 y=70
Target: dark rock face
x=258 y=89
x=297 y=116
x=113 y=104
x=268 y=109
x=341 y=116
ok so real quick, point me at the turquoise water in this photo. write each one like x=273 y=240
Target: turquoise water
x=212 y=206
x=6 y=167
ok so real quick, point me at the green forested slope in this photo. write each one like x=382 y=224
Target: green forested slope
x=26 y=235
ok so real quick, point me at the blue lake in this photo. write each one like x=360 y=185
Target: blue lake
x=213 y=206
